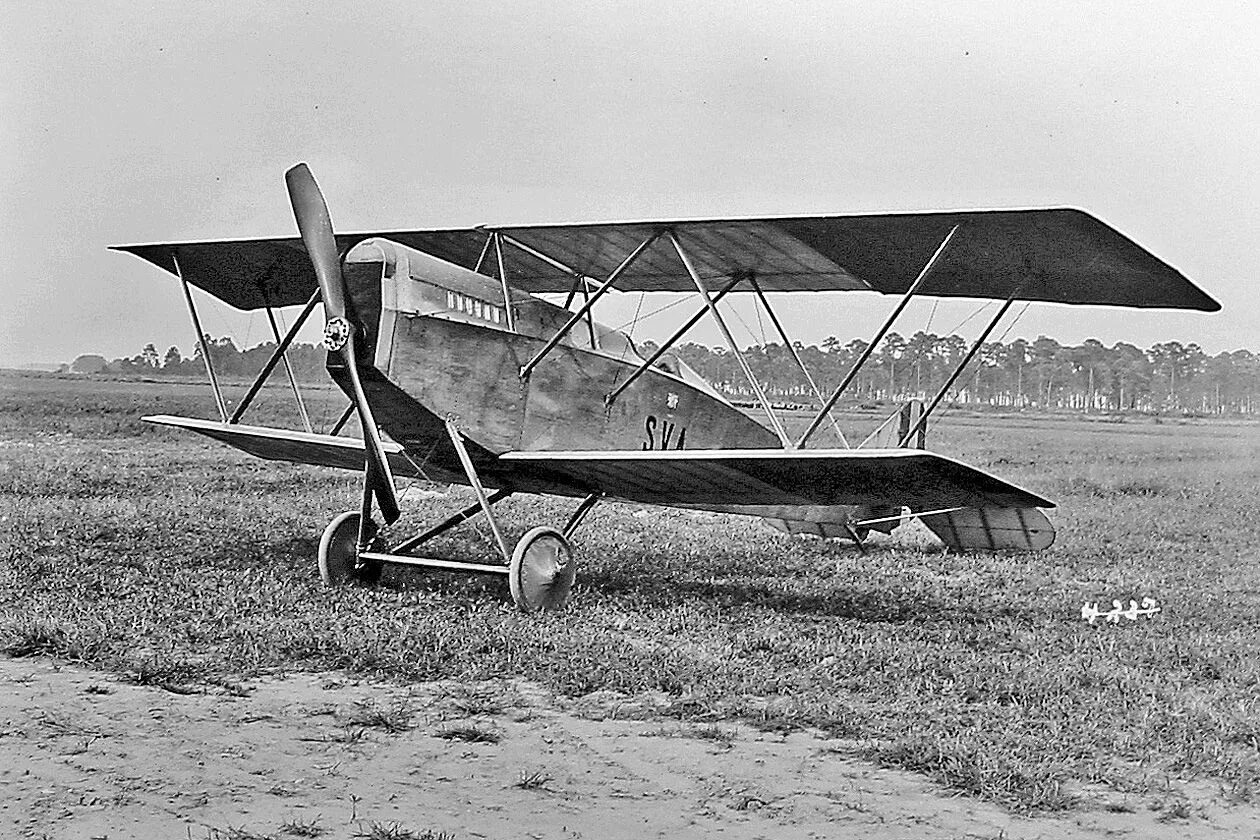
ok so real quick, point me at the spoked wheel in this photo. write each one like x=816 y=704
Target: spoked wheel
x=542 y=571
x=339 y=562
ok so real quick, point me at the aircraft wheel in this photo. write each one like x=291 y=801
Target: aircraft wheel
x=542 y=571
x=338 y=553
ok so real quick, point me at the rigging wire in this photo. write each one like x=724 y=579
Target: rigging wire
x=681 y=299
x=249 y=329
x=946 y=408
x=1002 y=337
x=634 y=323
x=966 y=320
x=752 y=335
x=760 y=324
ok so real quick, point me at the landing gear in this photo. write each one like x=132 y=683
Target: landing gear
x=542 y=570
x=340 y=561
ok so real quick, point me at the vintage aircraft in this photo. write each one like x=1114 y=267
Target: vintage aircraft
x=440 y=339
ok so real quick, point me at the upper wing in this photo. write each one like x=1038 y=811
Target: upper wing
x=747 y=477
x=1056 y=255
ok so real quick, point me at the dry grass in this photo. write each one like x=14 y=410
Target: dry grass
x=470 y=733
x=369 y=715
x=175 y=560
x=533 y=780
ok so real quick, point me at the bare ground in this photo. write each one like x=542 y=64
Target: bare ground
x=86 y=755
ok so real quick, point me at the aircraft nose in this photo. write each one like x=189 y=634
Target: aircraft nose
x=364 y=276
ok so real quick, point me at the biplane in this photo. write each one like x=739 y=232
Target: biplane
x=460 y=371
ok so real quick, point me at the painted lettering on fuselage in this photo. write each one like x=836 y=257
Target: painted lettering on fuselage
x=663 y=433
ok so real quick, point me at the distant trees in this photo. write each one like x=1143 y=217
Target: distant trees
x=1167 y=377
x=89 y=363
x=307 y=360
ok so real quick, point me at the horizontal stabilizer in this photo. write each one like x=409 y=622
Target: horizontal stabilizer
x=718 y=479
x=992 y=529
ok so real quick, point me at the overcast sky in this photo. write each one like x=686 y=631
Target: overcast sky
x=129 y=122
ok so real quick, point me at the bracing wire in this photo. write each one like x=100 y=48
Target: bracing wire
x=654 y=312
x=249 y=329
x=1005 y=332
x=747 y=328
x=945 y=409
x=760 y=324
x=968 y=319
x=634 y=324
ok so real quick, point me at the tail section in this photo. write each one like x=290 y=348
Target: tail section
x=856 y=522
x=963 y=528
x=890 y=436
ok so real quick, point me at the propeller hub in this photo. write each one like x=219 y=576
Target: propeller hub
x=336 y=333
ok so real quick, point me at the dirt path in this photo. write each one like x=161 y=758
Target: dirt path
x=83 y=755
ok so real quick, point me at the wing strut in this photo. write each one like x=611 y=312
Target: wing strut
x=730 y=341
x=465 y=460
x=787 y=342
x=590 y=301
x=975 y=348
x=503 y=281
x=342 y=420
x=668 y=343
x=284 y=357
x=201 y=339
x=282 y=347
x=485 y=249
x=870 y=348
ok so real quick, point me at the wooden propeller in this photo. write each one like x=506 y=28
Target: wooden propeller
x=311 y=212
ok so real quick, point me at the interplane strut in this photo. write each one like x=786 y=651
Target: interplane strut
x=730 y=341
x=949 y=383
x=288 y=369
x=282 y=346
x=800 y=363
x=201 y=339
x=870 y=348
x=588 y=304
x=669 y=342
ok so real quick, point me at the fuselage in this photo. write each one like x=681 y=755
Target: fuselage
x=438 y=347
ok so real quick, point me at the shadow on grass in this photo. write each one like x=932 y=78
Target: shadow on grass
x=856 y=603
x=253 y=551
x=641 y=580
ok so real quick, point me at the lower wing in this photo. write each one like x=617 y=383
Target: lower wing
x=965 y=506
x=723 y=478
x=292 y=446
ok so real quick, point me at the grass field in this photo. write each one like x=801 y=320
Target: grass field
x=174 y=560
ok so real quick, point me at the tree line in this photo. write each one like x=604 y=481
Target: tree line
x=1042 y=374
